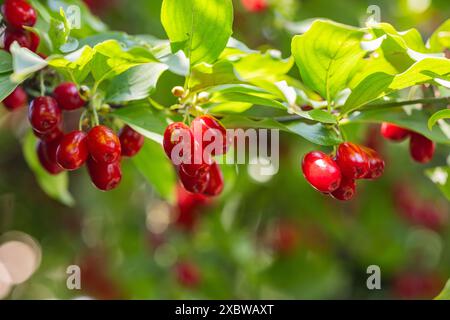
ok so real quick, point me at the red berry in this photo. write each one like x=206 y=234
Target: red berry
x=421 y=148
x=17 y=99
x=68 y=97
x=44 y=114
x=376 y=164
x=105 y=176
x=210 y=133
x=352 y=160
x=104 y=145
x=346 y=190
x=255 y=5
x=215 y=184
x=47 y=156
x=24 y=38
x=187 y=274
x=189 y=207
x=130 y=141
x=392 y=132
x=175 y=134
x=19 y=13
x=193 y=183
x=321 y=171
x=72 y=152
x=49 y=136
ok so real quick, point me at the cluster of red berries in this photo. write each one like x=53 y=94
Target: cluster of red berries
x=421 y=148
x=198 y=171
x=336 y=176
x=101 y=149
x=19 y=14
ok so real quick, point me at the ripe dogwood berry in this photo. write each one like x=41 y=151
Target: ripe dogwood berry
x=17 y=99
x=103 y=144
x=196 y=183
x=394 y=133
x=130 y=141
x=346 y=190
x=24 y=38
x=175 y=134
x=421 y=148
x=105 y=176
x=321 y=171
x=19 y=13
x=47 y=156
x=207 y=128
x=49 y=136
x=72 y=152
x=376 y=164
x=68 y=97
x=215 y=183
x=352 y=160
x=44 y=114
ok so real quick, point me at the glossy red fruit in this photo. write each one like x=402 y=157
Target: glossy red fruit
x=187 y=274
x=44 y=114
x=19 y=13
x=352 y=160
x=394 y=133
x=321 y=171
x=421 y=148
x=49 y=136
x=210 y=134
x=47 y=156
x=24 y=38
x=255 y=5
x=17 y=99
x=193 y=183
x=376 y=164
x=68 y=96
x=72 y=152
x=105 y=176
x=130 y=141
x=104 y=145
x=178 y=133
x=215 y=184
x=346 y=190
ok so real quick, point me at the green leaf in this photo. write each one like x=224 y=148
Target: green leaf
x=445 y=294
x=380 y=84
x=441 y=114
x=76 y=65
x=201 y=28
x=6 y=85
x=440 y=39
x=5 y=62
x=153 y=164
x=315 y=133
x=136 y=83
x=144 y=120
x=54 y=186
x=246 y=98
x=205 y=75
x=417 y=121
x=326 y=56
x=25 y=62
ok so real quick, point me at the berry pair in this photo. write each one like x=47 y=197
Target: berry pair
x=336 y=176
x=17 y=15
x=186 y=148
x=420 y=147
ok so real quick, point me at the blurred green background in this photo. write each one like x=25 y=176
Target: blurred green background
x=275 y=239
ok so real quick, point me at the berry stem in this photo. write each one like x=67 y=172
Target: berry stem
x=42 y=83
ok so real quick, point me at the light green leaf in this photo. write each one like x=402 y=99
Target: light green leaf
x=54 y=186
x=445 y=294
x=76 y=65
x=440 y=39
x=441 y=177
x=247 y=98
x=136 y=83
x=205 y=75
x=441 y=114
x=201 y=28
x=326 y=56
x=25 y=62
x=153 y=164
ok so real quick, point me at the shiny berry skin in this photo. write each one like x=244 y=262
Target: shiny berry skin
x=215 y=184
x=130 y=141
x=44 y=114
x=346 y=190
x=46 y=152
x=193 y=183
x=376 y=164
x=55 y=133
x=255 y=5
x=72 y=152
x=24 y=38
x=187 y=274
x=394 y=133
x=105 y=176
x=68 y=97
x=421 y=148
x=19 y=13
x=177 y=133
x=352 y=160
x=208 y=131
x=17 y=99
x=321 y=171
x=104 y=144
